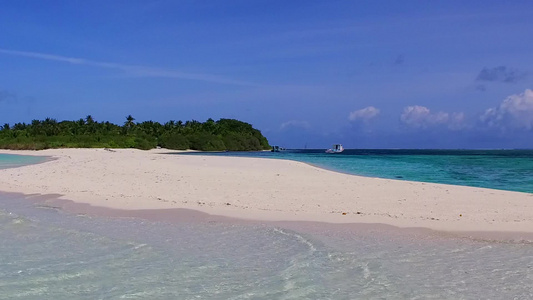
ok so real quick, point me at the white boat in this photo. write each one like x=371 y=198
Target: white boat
x=337 y=148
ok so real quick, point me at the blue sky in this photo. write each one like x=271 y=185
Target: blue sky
x=367 y=74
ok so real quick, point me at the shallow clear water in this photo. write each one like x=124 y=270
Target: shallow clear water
x=497 y=169
x=46 y=253
x=13 y=161
x=49 y=254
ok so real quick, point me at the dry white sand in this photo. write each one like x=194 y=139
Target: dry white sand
x=263 y=189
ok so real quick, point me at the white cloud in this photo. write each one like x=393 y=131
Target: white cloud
x=515 y=112
x=295 y=123
x=364 y=114
x=421 y=117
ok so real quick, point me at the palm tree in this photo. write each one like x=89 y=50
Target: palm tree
x=89 y=120
x=129 y=124
x=20 y=126
x=50 y=126
x=209 y=126
x=35 y=128
x=169 y=125
x=130 y=119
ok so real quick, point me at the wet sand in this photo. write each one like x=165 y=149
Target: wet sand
x=320 y=229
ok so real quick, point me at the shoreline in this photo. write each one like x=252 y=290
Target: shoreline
x=264 y=191
x=316 y=228
x=332 y=169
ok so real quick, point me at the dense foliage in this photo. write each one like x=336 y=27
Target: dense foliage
x=224 y=134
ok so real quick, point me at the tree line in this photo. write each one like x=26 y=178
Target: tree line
x=224 y=134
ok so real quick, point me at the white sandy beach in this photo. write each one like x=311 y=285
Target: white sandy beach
x=262 y=189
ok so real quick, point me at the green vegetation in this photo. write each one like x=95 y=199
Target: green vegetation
x=224 y=134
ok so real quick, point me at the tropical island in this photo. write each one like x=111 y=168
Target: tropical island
x=221 y=135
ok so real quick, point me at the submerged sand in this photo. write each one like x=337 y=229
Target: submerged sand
x=262 y=189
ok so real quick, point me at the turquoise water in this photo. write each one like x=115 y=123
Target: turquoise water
x=497 y=169
x=50 y=254
x=47 y=253
x=510 y=170
x=13 y=161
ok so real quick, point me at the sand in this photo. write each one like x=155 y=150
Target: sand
x=262 y=189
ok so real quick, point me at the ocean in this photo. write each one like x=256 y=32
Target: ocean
x=48 y=253
x=510 y=170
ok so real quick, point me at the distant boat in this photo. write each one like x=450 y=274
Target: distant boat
x=337 y=148
x=277 y=149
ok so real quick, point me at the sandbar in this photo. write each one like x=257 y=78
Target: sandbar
x=262 y=189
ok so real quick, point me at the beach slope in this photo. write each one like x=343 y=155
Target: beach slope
x=262 y=189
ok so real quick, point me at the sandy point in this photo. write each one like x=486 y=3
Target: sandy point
x=262 y=189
